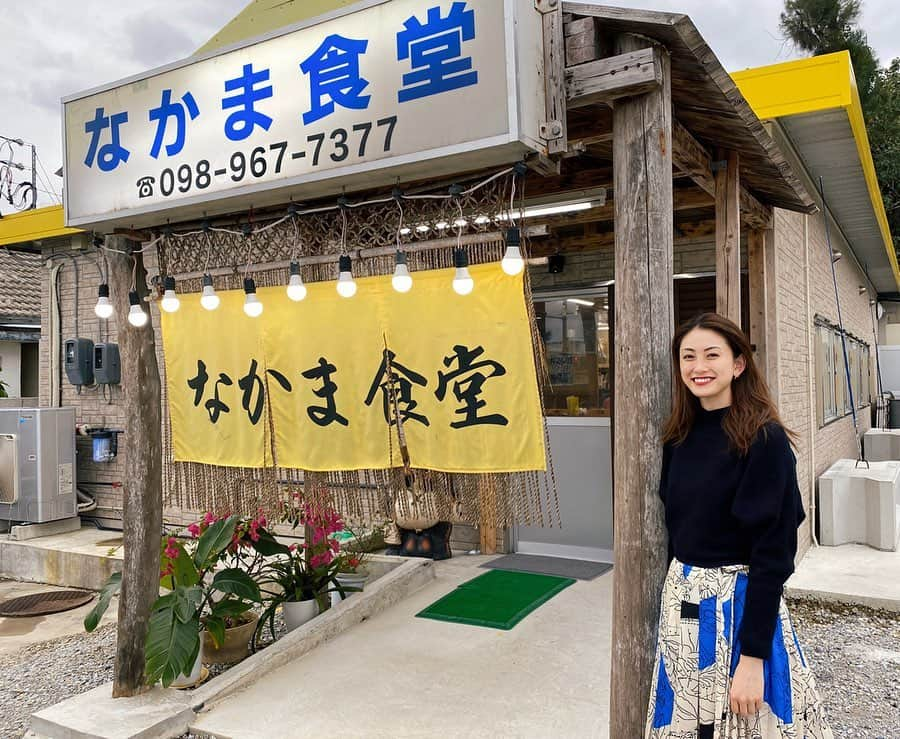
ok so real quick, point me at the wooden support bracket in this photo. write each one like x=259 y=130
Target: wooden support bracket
x=691 y=157
x=605 y=80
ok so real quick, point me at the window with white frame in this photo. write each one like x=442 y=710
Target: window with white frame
x=833 y=397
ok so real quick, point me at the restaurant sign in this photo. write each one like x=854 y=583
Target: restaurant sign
x=384 y=89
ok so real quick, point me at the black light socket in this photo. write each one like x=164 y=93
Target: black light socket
x=556 y=263
x=169 y=283
x=207 y=280
x=103 y=290
x=460 y=258
x=134 y=298
x=344 y=264
x=513 y=237
x=249 y=285
x=295 y=268
x=400 y=257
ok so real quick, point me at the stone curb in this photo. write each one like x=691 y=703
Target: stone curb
x=159 y=713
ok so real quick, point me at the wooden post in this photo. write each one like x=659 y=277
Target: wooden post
x=642 y=159
x=142 y=490
x=728 y=237
x=756 y=268
x=487 y=516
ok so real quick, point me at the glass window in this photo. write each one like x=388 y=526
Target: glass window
x=577 y=337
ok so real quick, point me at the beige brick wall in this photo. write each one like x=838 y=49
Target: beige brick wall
x=803 y=268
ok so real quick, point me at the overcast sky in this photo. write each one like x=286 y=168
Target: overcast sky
x=53 y=48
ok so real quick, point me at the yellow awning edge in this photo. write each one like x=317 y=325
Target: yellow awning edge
x=819 y=83
x=34 y=225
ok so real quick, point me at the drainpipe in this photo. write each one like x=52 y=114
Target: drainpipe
x=54 y=338
x=810 y=370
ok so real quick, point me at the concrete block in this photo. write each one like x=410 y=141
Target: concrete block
x=882 y=444
x=156 y=714
x=50 y=528
x=858 y=505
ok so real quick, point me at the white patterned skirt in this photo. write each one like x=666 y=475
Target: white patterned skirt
x=697 y=654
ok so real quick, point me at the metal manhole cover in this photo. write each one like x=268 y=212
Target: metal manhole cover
x=40 y=604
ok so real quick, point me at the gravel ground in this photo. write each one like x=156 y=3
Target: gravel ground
x=855 y=655
x=854 y=652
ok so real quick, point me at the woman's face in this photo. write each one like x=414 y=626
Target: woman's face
x=708 y=367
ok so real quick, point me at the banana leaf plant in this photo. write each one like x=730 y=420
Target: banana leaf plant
x=201 y=593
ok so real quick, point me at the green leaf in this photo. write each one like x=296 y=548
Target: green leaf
x=229 y=608
x=110 y=588
x=171 y=645
x=268 y=545
x=216 y=628
x=214 y=541
x=237 y=582
x=187 y=603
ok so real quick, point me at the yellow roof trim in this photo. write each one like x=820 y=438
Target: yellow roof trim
x=34 y=225
x=809 y=85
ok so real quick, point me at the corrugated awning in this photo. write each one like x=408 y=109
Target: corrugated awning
x=816 y=103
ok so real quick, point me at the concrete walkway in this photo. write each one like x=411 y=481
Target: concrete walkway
x=400 y=676
x=849 y=574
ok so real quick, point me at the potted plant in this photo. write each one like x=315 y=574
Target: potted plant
x=201 y=594
x=351 y=570
x=300 y=577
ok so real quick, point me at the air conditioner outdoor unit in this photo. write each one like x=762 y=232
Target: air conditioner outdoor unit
x=37 y=464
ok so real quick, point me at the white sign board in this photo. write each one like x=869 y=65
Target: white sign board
x=385 y=89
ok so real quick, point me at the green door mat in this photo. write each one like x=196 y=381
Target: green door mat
x=498 y=599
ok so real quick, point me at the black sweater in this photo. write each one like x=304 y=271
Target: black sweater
x=725 y=509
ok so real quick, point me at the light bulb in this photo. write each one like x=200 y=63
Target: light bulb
x=296 y=290
x=512 y=262
x=402 y=281
x=346 y=287
x=103 y=309
x=170 y=302
x=209 y=299
x=463 y=283
x=136 y=316
x=481 y=220
x=252 y=306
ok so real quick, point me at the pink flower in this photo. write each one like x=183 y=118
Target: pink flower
x=292 y=548
x=171 y=550
x=209 y=518
x=335 y=545
x=194 y=530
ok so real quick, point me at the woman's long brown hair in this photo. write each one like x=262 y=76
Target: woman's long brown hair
x=751 y=405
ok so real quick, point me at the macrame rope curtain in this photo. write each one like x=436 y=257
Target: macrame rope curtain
x=313 y=236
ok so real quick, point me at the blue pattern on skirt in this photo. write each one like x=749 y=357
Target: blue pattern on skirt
x=698 y=650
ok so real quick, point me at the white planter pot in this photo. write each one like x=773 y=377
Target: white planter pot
x=348 y=580
x=188 y=681
x=297 y=613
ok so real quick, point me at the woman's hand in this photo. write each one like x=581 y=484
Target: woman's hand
x=747 y=687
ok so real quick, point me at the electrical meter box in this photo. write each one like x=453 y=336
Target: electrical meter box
x=106 y=364
x=79 y=361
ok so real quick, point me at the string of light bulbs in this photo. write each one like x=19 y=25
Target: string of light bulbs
x=401 y=280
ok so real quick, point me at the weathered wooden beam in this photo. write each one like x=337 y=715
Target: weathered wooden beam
x=142 y=489
x=642 y=166
x=583 y=42
x=728 y=237
x=553 y=129
x=691 y=157
x=756 y=268
x=613 y=78
x=487 y=516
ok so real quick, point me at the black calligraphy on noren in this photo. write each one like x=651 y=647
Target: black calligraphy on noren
x=402 y=380
x=468 y=379
x=254 y=390
x=327 y=414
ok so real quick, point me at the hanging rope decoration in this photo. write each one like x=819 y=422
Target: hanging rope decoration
x=364 y=496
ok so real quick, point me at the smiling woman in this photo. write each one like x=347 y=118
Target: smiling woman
x=728 y=661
